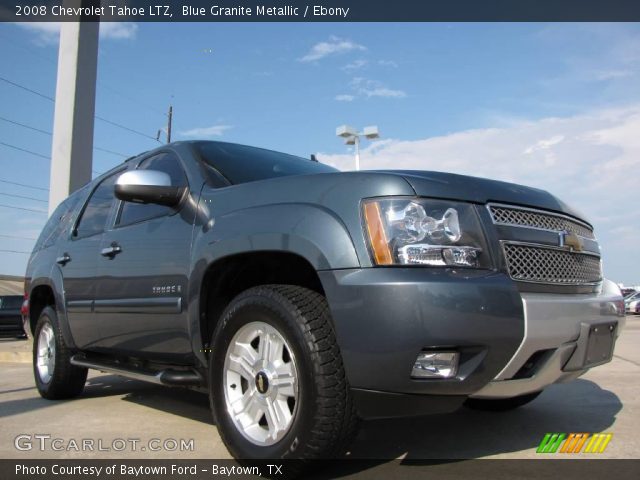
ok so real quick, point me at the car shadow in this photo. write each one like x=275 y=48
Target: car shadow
x=581 y=406
x=183 y=402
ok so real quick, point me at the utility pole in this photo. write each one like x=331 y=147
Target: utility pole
x=170 y=115
x=72 y=144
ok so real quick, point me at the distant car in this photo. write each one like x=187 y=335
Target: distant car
x=627 y=292
x=10 y=316
x=631 y=302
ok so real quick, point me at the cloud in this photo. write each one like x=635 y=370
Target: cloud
x=544 y=144
x=593 y=52
x=383 y=92
x=612 y=74
x=595 y=159
x=345 y=98
x=48 y=33
x=118 y=30
x=388 y=63
x=334 y=46
x=355 y=65
x=372 y=88
x=206 y=132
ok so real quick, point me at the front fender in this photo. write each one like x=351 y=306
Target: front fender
x=310 y=231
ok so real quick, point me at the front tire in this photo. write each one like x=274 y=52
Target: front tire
x=277 y=382
x=500 y=404
x=56 y=378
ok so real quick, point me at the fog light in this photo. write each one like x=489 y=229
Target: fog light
x=435 y=365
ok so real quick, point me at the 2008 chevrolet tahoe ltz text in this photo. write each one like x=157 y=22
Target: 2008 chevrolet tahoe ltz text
x=303 y=298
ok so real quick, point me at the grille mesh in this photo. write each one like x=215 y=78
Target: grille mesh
x=547 y=265
x=527 y=218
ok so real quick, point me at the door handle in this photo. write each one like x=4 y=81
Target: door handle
x=64 y=259
x=111 y=251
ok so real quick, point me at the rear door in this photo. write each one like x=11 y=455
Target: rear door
x=141 y=298
x=78 y=261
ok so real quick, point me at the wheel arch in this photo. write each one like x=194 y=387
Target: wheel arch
x=227 y=277
x=46 y=292
x=40 y=297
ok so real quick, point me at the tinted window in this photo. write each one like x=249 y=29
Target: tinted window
x=95 y=213
x=58 y=223
x=241 y=164
x=138 y=212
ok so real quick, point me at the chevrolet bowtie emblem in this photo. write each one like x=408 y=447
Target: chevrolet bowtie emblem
x=571 y=241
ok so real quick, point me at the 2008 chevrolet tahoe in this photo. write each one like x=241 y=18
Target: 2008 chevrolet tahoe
x=303 y=298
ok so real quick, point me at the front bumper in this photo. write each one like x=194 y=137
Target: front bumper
x=558 y=326
x=384 y=317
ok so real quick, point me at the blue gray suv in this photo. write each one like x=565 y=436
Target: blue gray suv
x=302 y=298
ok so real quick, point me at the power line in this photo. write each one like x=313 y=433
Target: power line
x=15 y=251
x=111 y=152
x=23 y=197
x=24 y=185
x=26 y=89
x=21 y=208
x=131 y=98
x=102 y=119
x=25 y=126
x=17 y=236
x=124 y=128
x=25 y=150
x=54 y=61
x=50 y=134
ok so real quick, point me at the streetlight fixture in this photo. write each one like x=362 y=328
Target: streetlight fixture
x=352 y=137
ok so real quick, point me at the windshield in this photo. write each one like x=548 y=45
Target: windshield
x=242 y=164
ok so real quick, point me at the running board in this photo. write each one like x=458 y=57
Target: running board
x=168 y=377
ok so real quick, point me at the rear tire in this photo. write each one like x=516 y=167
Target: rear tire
x=277 y=382
x=56 y=378
x=500 y=404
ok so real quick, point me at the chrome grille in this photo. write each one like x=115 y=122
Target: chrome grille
x=534 y=219
x=533 y=263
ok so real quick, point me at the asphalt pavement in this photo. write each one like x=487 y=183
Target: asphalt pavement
x=123 y=418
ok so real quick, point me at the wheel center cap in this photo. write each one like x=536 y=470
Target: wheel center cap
x=262 y=382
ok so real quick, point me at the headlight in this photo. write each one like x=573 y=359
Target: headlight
x=424 y=232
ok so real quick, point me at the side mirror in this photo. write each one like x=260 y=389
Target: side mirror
x=148 y=186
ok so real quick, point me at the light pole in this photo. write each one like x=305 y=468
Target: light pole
x=352 y=137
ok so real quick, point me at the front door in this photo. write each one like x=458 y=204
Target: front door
x=142 y=294
x=78 y=262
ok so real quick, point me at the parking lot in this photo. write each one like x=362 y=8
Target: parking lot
x=112 y=408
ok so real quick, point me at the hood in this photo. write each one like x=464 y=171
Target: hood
x=482 y=190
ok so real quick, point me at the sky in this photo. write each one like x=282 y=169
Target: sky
x=554 y=106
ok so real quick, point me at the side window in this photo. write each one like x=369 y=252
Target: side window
x=96 y=211
x=138 y=212
x=60 y=220
x=57 y=222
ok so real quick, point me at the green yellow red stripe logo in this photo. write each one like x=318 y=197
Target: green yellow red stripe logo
x=574 y=443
